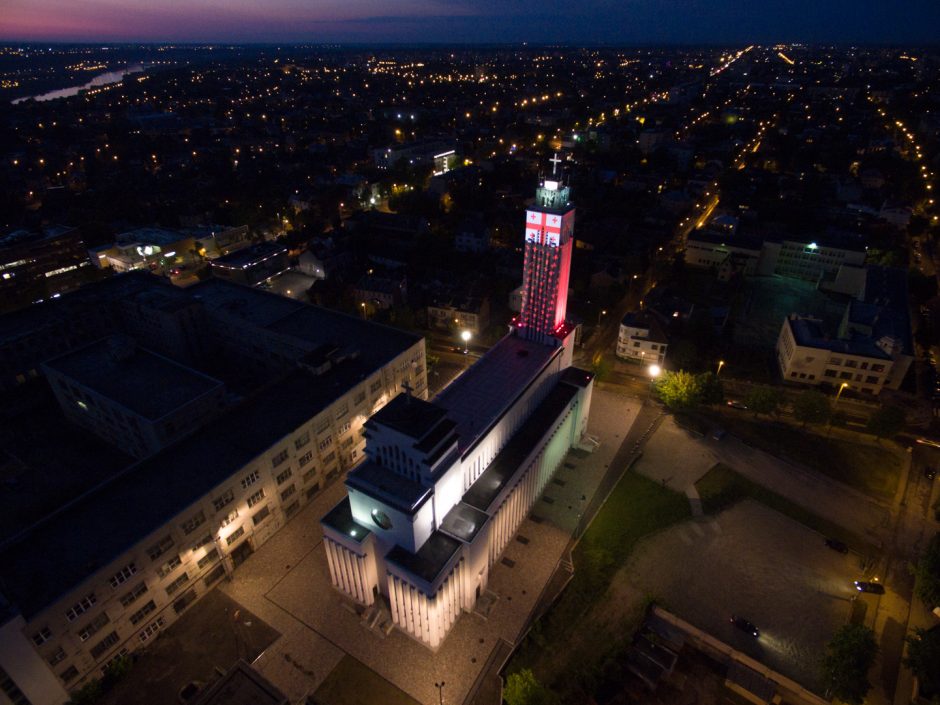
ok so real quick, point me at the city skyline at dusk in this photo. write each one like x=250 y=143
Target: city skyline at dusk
x=469 y=21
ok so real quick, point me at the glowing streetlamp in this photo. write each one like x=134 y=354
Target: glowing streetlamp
x=839 y=393
x=465 y=337
x=721 y=363
x=653 y=371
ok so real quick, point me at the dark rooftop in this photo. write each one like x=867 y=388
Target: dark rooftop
x=54 y=556
x=399 y=491
x=463 y=522
x=481 y=395
x=410 y=416
x=248 y=256
x=141 y=381
x=340 y=519
x=432 y=558
x=482 y=493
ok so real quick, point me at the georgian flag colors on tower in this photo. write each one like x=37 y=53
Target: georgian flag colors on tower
x=546 y=271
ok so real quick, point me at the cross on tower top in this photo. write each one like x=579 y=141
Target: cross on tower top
x=555 y=162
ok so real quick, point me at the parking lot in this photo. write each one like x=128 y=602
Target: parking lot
x=756 y=563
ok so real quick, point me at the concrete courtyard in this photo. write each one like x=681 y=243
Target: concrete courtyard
x=286 y=583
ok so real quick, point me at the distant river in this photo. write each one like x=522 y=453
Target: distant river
x=102 y=79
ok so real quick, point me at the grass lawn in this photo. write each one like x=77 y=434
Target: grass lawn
x=871 y=469
x=636 y=507
x=721 y=487
x=351 y=683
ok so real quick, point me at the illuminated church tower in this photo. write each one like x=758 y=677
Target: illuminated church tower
x=549 y=229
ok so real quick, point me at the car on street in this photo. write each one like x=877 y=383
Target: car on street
x=837 y=545
x=930 y=472
x=735 y=404
x=873 y=588
x=745 y=626
x=718 y=434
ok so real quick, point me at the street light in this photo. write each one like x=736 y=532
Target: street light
x=721 y=363
x=839 y=393
x=465 y=336
x=653 y=371
x=602 y=313
x=440 y=691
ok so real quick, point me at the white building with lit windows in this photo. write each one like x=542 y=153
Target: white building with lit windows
x=104 y=574
x=446 y=483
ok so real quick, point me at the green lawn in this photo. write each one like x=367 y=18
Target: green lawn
x=352 y=683
x=636 y=507
x=721 y=487
x=869 y=468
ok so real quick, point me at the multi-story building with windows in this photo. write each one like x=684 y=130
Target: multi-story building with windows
x=446 y=483
x=816 y=260
x=642 y=339
x=39 y=264
x=102 y=575
x=133 y=398
x=872 y=348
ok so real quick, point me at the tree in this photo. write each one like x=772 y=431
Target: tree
x=679 y=390
x=601 y=368
x=927 y=574
x=923 y=658
x=845 y=665
x=887 y=421
x=762 y=400
x=713 y=391
x=811 y=407
x=523 y=688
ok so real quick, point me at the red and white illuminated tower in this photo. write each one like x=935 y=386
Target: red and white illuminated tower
x=549 y=226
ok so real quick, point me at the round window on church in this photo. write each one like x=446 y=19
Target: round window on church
x=381 y=519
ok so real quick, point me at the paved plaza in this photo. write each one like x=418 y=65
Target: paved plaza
x=756 y=563
x=287 y=584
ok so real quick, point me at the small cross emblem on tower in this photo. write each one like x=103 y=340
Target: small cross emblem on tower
x=555 y=162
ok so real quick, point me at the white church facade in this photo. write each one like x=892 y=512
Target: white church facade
x=445 y=484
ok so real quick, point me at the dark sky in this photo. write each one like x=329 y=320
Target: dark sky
x=462 y=21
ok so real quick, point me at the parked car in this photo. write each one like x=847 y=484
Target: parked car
x=745 y=626
x=837 y=545
x=873 y=588
x=930 y=472
x=718 y=434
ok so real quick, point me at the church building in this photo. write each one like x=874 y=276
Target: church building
x=445 y=483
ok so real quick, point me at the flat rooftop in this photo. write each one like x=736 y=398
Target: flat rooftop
x=340 y=519
x=482 y=394
x=809 y=332
x=486 y=488
x=410 y=416
x=399 y=491
x=309 y=325
x=143 y=382
x=464 y=522
x=430 y=560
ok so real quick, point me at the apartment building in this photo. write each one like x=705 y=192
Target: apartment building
x=104 y=574
x=642 y=338
x=871 y=349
